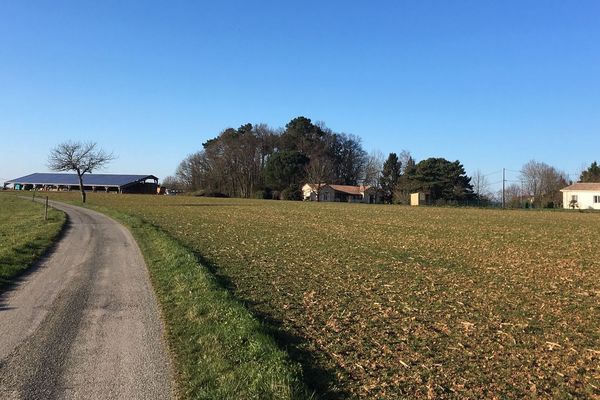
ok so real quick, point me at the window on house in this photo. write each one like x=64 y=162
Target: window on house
x=596 y=199
x=574 y=197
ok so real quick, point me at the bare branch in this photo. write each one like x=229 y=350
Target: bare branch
x=78 y=157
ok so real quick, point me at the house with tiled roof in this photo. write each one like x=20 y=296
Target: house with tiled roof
x=341 y=193
x=582 y=195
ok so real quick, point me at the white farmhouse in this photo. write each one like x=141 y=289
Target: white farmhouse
x=583 y=196
x=341 y=193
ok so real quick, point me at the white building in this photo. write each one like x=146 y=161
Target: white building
x=583 y=196
x=420 y=198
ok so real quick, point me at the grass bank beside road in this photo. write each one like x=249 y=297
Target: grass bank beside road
x=221 y=351
x=24 y=235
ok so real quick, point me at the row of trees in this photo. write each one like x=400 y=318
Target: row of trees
x=259 y=161
x=256 y=160
x=538 y=185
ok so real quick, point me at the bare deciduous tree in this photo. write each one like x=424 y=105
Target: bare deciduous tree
x=373 y=168
x=480 y=185
x=514 y=196
x=319 y=172
x=189 y=171
x=543 y=182
x=406 y=159
x=79 y=157
x=171 y=182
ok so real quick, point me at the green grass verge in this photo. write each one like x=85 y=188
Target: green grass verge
x=24 y=235
x=220 y=350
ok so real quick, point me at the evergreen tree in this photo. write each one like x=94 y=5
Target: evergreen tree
x=303 y=136
x=592 y=174
x=389 y=177
x=444 y=180
x=406 y=183
x=286 y=170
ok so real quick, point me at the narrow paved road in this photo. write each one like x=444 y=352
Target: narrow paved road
x=85 y=323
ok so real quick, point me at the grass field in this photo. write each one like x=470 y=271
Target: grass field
x=397 y=302
x=24 y=235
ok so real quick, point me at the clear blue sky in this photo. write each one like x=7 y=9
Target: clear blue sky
x=493 y=84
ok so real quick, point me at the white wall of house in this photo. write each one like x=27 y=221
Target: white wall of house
x=309 y=193
x=325 y=194
x=418 y=199
x=586 y=199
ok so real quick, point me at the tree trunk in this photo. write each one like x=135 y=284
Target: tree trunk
x=80 y=176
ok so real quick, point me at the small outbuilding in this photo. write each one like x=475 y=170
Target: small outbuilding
x=420 y=198
x=91 y=182
x=582 y=195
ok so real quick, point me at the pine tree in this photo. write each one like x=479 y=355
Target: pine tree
x=592 y=174
x=389 y=177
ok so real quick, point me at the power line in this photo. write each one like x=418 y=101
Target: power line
x=493 y=173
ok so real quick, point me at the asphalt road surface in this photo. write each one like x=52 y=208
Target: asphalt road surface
x=84 y=324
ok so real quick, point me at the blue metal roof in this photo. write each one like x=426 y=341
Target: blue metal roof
x=88 y=179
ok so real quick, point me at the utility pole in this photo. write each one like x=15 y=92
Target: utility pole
x=503 y=187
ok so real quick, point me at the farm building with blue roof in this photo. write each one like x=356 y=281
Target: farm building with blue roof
x=91 y=182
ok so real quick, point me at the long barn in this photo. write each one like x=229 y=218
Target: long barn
x=91 y=182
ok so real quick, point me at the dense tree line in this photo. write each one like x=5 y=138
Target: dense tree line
x=258 y=161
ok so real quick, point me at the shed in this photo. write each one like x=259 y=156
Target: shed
x=420 y=198
x=91 y=182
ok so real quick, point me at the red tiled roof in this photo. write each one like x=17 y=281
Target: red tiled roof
x=347 y=189
x=583 y=186
x=354 y=190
